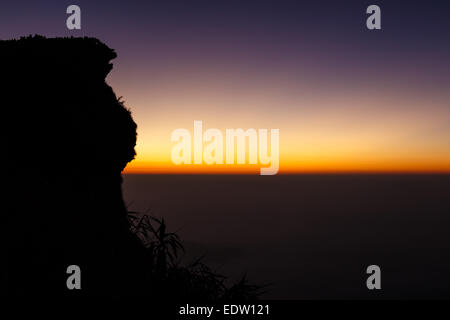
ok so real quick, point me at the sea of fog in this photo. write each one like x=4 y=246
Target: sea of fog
x=310 y=236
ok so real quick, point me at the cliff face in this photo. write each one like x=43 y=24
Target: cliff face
x=67 y=138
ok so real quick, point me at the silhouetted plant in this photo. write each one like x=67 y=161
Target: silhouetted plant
x=163 y=246
x=169 y=278
x=243 y=290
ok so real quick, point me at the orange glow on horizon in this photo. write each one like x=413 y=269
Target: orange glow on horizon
x=358 y=127
x=148 y=167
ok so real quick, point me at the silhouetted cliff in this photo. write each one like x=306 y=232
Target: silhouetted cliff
x=67 y=138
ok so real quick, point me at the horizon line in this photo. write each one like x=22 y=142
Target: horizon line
x=290 y=173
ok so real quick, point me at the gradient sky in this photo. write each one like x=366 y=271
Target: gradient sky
x=344 y=98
